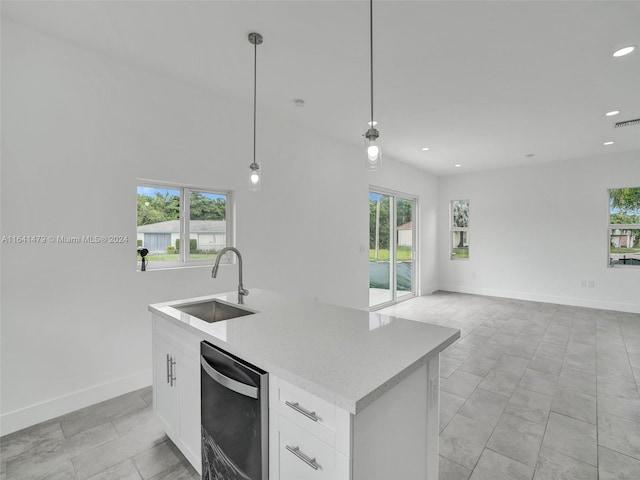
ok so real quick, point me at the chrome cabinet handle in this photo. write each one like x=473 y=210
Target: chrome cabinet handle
x=173 y=377
x=309 y=461
x=168 y=368
x=296 y=406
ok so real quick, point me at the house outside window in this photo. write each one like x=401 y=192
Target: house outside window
x=459 y=235
x=624 y=227
x=182 y=226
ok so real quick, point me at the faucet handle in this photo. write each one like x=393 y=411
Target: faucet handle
x=242 y=292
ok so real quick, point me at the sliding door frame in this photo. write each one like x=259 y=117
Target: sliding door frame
x=393 y=240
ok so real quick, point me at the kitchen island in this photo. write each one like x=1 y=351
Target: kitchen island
x=372 y=379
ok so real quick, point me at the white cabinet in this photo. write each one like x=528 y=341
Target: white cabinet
x=303 y=456
x=309 y=437
x=176 y=386
x=396 y=436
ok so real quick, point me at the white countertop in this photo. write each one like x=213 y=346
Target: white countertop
x=348 y=357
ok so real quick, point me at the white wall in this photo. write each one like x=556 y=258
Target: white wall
x=78 y=130
x=538 y=231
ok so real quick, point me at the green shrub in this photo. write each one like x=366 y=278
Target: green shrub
x=193 y=245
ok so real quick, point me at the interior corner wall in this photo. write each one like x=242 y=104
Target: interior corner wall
x=79 y=129
x=540 y=232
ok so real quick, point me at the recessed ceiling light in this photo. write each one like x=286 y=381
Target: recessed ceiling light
x=612 y=113
x=608 y=143
x=424 y=149
x=530 y=155
x=624 y=51
x=299 y=102
x=458 y=165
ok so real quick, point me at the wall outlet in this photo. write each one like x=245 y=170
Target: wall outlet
x=583 y=283
x=592 y=283
x=474 y=275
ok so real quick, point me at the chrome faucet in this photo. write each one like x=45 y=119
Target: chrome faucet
x=241 y=290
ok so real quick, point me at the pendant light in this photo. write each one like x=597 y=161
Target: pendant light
x=374 y=154
x=255 y=178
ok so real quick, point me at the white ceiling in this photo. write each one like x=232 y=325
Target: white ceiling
x=480 y=83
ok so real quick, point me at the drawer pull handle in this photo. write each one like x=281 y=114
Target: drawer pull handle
x=309 y=461
x=296 y=406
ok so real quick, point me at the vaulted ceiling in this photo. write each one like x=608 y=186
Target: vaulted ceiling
x=482 y=84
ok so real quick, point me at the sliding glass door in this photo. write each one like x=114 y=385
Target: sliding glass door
x=380 y=235
x=392 y=247
x=404 y=252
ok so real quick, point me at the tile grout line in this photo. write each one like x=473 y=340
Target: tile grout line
x=503 y=412
x=546 y=425
x=498 y=422
x=73 y=467
x=629 y=359
x=458 y=413
x=597 y=414
x=517 y=461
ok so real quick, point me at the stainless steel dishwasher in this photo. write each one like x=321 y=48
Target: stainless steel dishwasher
x=234 y=407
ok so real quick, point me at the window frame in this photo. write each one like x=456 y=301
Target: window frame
x=617 y=226
x=185 y=223
x=453 y=229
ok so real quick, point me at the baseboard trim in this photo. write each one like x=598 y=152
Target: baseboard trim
x=33 y=414
x=429 y=289
x=544 y=298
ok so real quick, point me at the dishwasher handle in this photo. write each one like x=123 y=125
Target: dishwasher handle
x=233 y=385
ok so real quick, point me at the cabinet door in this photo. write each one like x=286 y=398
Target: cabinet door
x=165 y=391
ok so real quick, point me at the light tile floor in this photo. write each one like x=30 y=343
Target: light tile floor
x=114 y=440
x=530 y=391
x=535 y=390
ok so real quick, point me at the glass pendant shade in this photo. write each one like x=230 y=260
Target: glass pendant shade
x=374 y=153
x=255 y=178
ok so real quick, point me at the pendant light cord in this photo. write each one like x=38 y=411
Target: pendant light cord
x=371 y=51
x=255 y=81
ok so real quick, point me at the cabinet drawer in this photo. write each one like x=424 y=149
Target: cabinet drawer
x=305 y=457
x=309 y=412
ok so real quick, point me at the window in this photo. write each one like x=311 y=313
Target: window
x=459 y=229
x=182 y=226
x=624 y=227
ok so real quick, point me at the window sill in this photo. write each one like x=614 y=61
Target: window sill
x=164 y=268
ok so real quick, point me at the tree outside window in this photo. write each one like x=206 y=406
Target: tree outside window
x=459 y=229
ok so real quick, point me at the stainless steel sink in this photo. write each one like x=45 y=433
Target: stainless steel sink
x=213 y=310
